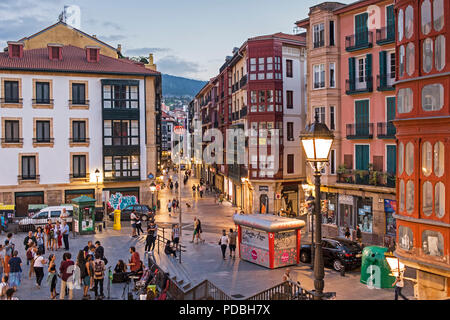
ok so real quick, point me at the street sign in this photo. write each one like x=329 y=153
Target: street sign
x=158 y=187
x=179 y=130
x=278 y=196
x=150 y=176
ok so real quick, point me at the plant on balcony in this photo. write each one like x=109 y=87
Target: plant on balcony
x=342 y=169
x=373 y=179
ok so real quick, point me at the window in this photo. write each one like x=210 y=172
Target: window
x=269 y=63
x=427 y=158
x=402 y=62
x=361 y=70
x=405 y=100
x=93 y=53
x=43 y=92
x=253 y=97
x=401 y=156
x=440 y=53
x=400 y=25
x=410 y=197
x=290 y=131
x=427 y=55
x=439 y=200
x=318 y=36
x=121 y=132
x=79 y=131
x=12 y=134
x=392 y=64
x=319 y=76
x=120 y=96
x=402 y=195
x=438 y=13
x=118 y=167
x=409 y=22
x=331 y=31
x=409 y=159
x=410 y=59
x=253 y=64
x=332 y=75
x=78 y=93
x=405 y=238
x=432 y=97
x=426 y=16
x=432 y=243
x=79 y=166
x=11 y=91
x=28 y=167
x=289 y=68
x=333 y=162
x=289 y=99
x=261 y=64
x=332 y=119
x=290 y=163
x=427 y=198
x=42 y=131
x=320 y=112
x=439 y=160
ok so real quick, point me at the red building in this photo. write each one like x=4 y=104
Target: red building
x=423 y=134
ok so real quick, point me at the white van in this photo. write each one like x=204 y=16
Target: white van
x=40 y=219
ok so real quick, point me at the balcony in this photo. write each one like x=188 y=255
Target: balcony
x=386 y=35
x=11 y=140
x=360 y=131
x=43 y=140
x=359 y=41
x=28 y=177
x=358 y=87
x=385 y=82
x=11 y=101
x=80 y=176
x=79 y=140
x=319 y=43
x=366 y=177
x=243 y=81
x=386 y=130
x=43 y=101
x=81 y=103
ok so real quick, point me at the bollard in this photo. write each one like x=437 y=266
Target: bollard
x=117 y=225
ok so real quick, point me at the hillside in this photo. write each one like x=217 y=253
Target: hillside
x=179 y=87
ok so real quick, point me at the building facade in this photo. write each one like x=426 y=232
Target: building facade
x=351 y=76
x=75 y=122
x=422 y=122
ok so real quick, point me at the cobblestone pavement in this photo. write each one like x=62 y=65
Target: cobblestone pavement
x=202 y=261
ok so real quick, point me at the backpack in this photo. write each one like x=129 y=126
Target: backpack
x=29 y=254
x=98 y=269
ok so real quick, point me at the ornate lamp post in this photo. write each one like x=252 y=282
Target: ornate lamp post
x=153 y=189
x=317 y=140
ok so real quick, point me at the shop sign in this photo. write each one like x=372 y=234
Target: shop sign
x=285 y=257
x=345 y=199
x=264 y=188
x=278 y=196
x=254 y=255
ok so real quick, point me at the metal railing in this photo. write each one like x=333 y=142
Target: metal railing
x=385 y=82
x=12 y=140
x=28 y=177
x=43 y=101
x=287 y=290
x=360 y=40
x=386 y=130
x=354 y=87
x=11 y=100
x=243 y=112
x=43 y=140
x=79 y=140
x=385 y=35
x=81 y=176
x=360 y=131
x=78 y=102
x=243 y=81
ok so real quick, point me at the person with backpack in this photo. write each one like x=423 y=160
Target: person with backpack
x=139 y=225
x=99 y=275
x=48 y=227
x=66 y=270
x=223 y=243
x=29 y=240
x=38 y=265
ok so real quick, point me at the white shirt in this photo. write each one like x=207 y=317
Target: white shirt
x=224 y=240
x=38 y=262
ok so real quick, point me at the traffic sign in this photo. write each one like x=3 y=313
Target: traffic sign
x=179 y=130
x=158 y=187
x=150 y=176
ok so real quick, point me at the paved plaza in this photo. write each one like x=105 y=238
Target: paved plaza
x=200 y=261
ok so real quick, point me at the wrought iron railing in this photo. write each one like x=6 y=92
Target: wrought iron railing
x=385 y=82
x=79 y=102
x=386 y=130
x=79 y=140
x=287 y=290
x=385 y=35
x=11 y=100
x=354 y=86
x=43 y=140
x=12 y=140
x=360 y=131
x=360 y=40
x=43 y=101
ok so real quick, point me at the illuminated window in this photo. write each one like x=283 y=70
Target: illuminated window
x=427 y=159
x=427 y=198
x=432 y=243
x=432 y=97
x=439 y=159
x=409 y=22
x=427 y=52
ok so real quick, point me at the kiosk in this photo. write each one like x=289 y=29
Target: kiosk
x=84 y=215
x=268 y=240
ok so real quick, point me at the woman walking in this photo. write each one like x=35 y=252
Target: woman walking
x=52 y=276
x=139 y=225
x=40 y=240
x=81 y=264
x=48 y=227
x=53 y=238
x=59 y=234
x=39 y=263
x=15 y=270
x=88 y=276
x=223 y=242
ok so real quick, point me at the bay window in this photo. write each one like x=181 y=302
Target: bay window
x=432 y=97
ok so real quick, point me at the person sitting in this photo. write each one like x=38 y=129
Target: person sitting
x=169 y=250
x=120 y=267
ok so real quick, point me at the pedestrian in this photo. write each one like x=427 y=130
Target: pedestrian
x=171 y=186
x=65 y=234
x=135 y=261
x=223 y=242
x=133 y=219
x=193 y=191
x=3 y=224
x=39 y=263
x=15 y=270
x=88 y=276
x=87 y=248
x=232 y=243
x=2 y=260
x=150 y=239
x=358 y=234
x=81 y=265
x=99 y=275
x=201 y=191
x=9 y=249
x=198 y=188
x=66 y=270
x=100 y=250
x=32 y=254
x=139 y=225
x=10 y=294
x=176 y=235
x=176 y=185
x=40 y=239
x=399 y=284
x=54 y=238
x=52 y=276
x=47 y=229
x=29 y=239
x=169 y=206
x=199 y=231
x=347 y=233
x=174 y=204
x=169 y=250
x=58 y=230
x=4 y=286
x=195 y=229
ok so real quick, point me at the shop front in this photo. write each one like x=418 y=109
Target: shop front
x=24 y=199
x=290 y=200
x=390 y=207
x=69 y=195
x=120 y=198
x=353 y=211
x=220 y=182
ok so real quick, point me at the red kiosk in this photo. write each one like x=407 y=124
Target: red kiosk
x=268 y=240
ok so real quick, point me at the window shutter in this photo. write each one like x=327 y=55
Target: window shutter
x=383 y=69
x=369 y=71
x=351 y=71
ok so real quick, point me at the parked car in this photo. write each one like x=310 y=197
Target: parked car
x=337 y=253
x=144 y=211
x=40 y=218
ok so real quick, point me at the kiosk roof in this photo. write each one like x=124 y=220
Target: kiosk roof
x=268 y=222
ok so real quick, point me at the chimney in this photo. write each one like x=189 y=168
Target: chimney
x=93 y=53
x=15 y=49
x=119 y=48
x=151 y=65
x=55 y=51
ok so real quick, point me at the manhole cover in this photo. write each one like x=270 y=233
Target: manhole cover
x=237 y=296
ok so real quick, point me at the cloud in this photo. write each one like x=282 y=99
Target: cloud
x=112 y=38
x=145 y=51
x=179 y=67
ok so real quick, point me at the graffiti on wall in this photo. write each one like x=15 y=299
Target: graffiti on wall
x=117 y=201
x=255 y=238
x=285 y=240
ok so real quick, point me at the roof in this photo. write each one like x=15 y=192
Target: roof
x=282 y=36
x=73 y=60
x=268 y=222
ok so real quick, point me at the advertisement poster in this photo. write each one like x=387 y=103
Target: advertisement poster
x=389 y=208
x=365 y=219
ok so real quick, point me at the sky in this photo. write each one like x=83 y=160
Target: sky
x=189 y=38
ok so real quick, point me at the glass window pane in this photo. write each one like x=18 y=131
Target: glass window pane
x=405 y=100
x=401 y=153
x=432 y=243
x=433 y=97
x=427 y=158
x=427 y=51
x=438 y=13
x=426 y=16
x=440 y=53
x=427 y=198
x=405 y=237
x=409 y=22
x=439 y=160
x=402 y=195
x=410 y=59
x=402 y=59
x=439 y=200
x=400 y=25
x=409 y=159
x=410 y=196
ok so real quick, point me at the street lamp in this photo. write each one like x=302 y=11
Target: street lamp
x=97 y=175
x=153 y=189
x=317 y=140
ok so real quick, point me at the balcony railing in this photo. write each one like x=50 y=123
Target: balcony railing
x=243 y=81
x=319 y=85
x=366 y=177
x=28 y=177
x=319 y=43
x=359 y=41
x=43 y=140
x=360 y=131
x=12 y=140
x=43 y=101
x=385 y=82
x=386 y=130
x=386 y=35
x=78 y=102
x=79 y=140
x=357 y=87
x=80 y=176
x=11 y=101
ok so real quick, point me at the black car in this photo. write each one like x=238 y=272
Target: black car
x=337 y=253
x=142 y=210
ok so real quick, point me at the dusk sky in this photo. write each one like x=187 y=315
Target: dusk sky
x=188 y=38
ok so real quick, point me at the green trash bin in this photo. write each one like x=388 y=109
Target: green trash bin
x=375 y=270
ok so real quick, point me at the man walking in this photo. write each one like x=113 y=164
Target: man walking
x=399 y=284
x=99 y=275
x=133 y=219
x=66 y=270
x=232 y=243
x=223 y=242
x=65 y=233
x=176 y=235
